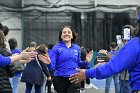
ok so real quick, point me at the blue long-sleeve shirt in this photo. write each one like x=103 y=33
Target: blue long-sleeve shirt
x=16 y=52
x=128 y=57
x=64 y=60
x=4 y=60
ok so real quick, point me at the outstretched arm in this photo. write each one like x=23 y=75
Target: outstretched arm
x=126 y=58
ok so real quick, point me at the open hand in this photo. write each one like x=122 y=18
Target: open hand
x=89 y=56
x=78 y=77
x=28 y=55
x=44 y=59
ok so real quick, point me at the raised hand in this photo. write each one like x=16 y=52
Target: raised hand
x=28 y=55
x=89 y=56
x=44 y=59
x=103 y=52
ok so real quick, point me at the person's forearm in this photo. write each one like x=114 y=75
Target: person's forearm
x=16 y=58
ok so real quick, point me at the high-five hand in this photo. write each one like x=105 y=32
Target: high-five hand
x=78 y=77
x=28 y=55
x=44 y=59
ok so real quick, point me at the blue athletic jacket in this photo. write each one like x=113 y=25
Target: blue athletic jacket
x=128 y=57
x=4 y=60
x=64 y=60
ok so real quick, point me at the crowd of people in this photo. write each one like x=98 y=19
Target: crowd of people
x=67 y=65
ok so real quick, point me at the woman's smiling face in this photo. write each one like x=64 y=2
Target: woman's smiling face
x=66 y=34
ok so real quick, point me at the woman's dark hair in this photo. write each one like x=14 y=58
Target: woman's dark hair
x=2 y=39
x=5 y=30
x=12 y=43
x=73 y=33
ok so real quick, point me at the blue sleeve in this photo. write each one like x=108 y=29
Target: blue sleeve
x=125 y=59
x=53 y=57
x=4 y=60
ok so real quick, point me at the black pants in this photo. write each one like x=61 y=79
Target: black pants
x=63 y=85
x=87 y=80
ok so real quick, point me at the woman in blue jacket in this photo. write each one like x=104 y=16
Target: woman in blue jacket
x=64 y=60
x=128 y=57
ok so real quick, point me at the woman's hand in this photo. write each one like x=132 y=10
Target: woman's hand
x=24 y=61
x=27 y=55
x=44 y=59
x=24 y=56
x=104 y=52
x=78 y=77
x=89 y=56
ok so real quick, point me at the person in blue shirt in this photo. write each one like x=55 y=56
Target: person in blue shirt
x=15 y=80
x=65 y=59
x=128 y=57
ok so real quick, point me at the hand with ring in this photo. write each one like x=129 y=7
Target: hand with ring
x=78 y=77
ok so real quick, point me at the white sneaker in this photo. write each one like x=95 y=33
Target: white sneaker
x=52 y=86
x=88 y=86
